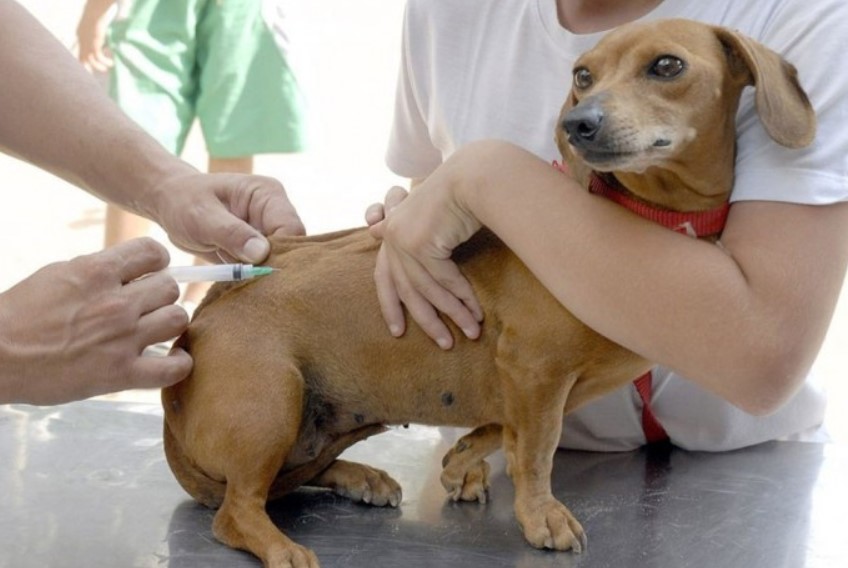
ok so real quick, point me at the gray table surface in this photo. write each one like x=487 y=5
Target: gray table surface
x=86 y=485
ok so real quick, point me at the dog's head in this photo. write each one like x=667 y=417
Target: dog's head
x=655 y=104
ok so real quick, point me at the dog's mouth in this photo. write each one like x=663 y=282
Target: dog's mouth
x=596 y=157
x=608 y=158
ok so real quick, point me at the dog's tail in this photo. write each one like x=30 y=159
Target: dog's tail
x=210 y=492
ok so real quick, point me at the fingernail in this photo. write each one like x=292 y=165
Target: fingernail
x=255 y=249
x=471 y=333
x=395 y=330
x=444 y=343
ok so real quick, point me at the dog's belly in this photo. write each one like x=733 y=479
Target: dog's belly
x=415 y=382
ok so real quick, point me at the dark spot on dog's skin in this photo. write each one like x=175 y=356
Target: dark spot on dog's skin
x=461 y=446
x=359 y=418
x=447 y=398
x=322 y=414
x=310 y=451
x=318 y=412
x=406 y=425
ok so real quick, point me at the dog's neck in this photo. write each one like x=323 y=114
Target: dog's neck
x=683 y=189
x=700 y=224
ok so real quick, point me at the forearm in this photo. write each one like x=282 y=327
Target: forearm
x=95 y=9
x=736 y=319
x=56 y=117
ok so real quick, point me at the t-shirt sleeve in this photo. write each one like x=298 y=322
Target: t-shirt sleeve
x=411 y=152
x=810 y=36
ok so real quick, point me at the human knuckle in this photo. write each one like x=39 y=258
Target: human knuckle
x=164 y=378
x=116 y=308
x=175 y=317
x=93 y=268
x=448 y=281
x=395 y=195
x=151 y=249
x=174 y=374
x=406 y=291
x=266 y=183
x=168 y=286
x=151 y=380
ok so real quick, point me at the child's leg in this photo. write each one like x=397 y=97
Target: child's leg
x=249 y=101
x=242 y=165
x=122 y=226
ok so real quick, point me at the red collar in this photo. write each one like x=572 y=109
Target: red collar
x=707 y=223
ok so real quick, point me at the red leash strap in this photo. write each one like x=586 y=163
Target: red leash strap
x=654 y=432
x=694 y=224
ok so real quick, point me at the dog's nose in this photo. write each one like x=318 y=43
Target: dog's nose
x=583 y=122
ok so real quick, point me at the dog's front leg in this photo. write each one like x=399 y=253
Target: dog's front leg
x=532 y=429
x=465 y=471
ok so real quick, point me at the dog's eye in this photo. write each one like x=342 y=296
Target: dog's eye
x=667 y=67
x=583 y=78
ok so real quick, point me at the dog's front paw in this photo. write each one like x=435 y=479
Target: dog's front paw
x=359 y=482
x=551 y=525
x=291 y=556
x=470 y=484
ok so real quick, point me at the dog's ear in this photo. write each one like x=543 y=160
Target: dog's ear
x=782 y=104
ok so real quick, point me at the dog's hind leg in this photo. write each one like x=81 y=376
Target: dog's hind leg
x=465 y=471
x=257 y=450
x=360 y=482
x=243 y=523
x=204 y=489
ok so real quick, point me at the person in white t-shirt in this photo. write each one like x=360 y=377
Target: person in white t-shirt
x=480 y=87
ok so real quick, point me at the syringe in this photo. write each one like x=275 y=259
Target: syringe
x=217 y=272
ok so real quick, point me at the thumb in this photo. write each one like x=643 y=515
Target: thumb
x=378 y=230
x=241 y=241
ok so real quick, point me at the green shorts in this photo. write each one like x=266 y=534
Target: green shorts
x=220 y=61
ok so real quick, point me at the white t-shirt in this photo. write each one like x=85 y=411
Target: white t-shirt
x=483 y=69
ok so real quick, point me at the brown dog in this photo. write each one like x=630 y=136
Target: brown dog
x=293 y=368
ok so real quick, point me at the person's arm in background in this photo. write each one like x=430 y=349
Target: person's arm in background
x=744 y=320
x=91 y=35
x=75 y=329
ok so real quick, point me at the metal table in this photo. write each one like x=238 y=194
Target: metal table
x=86 y=484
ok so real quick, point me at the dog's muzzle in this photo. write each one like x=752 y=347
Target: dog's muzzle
x=583 y=123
